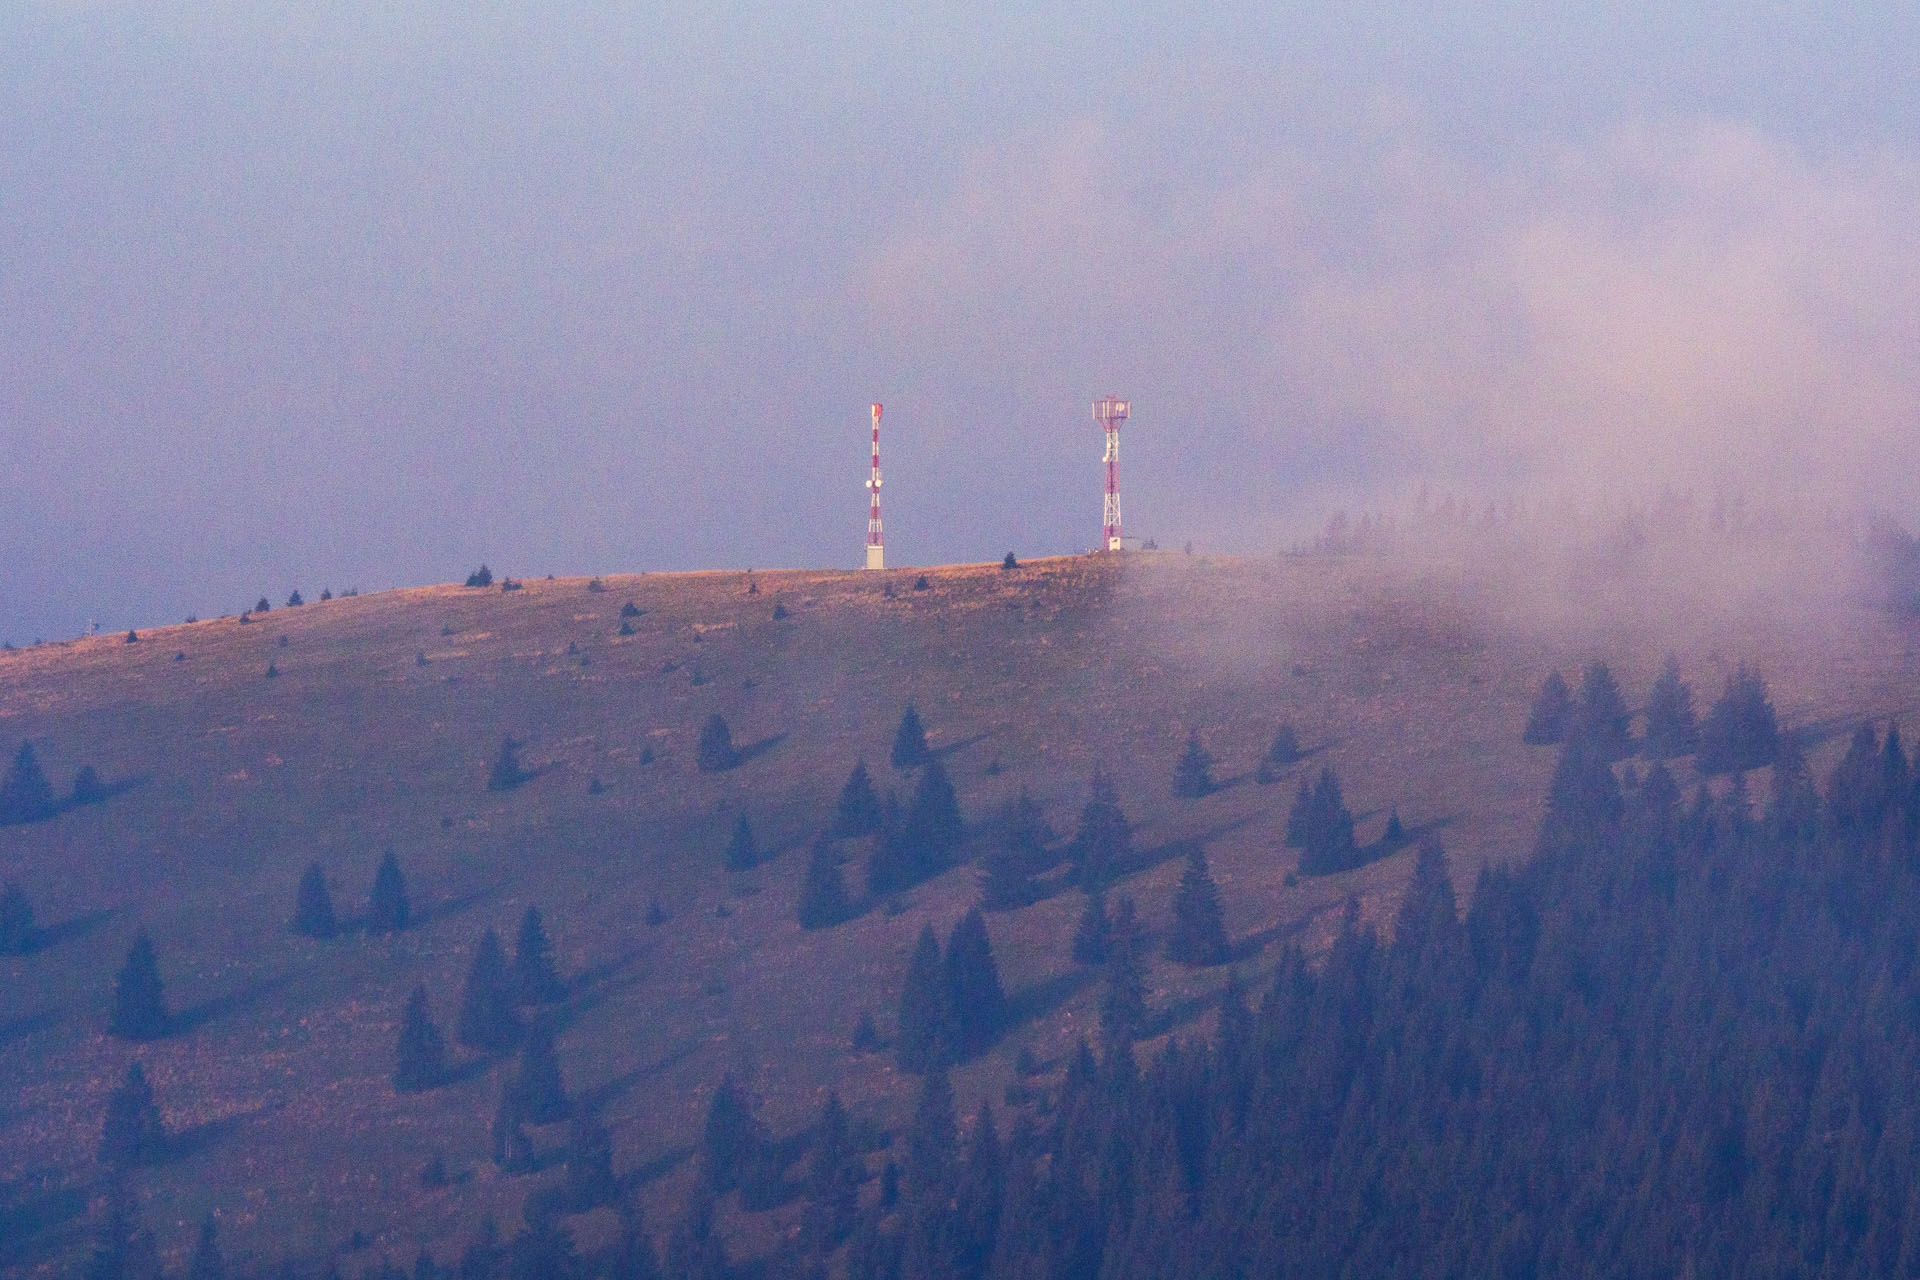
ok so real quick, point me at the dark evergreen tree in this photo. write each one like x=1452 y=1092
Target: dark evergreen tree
x=313 y=905
x=633 y=1256
x=124 y=1248
x=537 y=1087
x=924 y=1031
x=1396 y=832
x=1193 y=775
x=928 y=1176
x=910 y=741
x=694 y=1248
x=823 y=892
x=1009 y=562
x=858 y=813
x=487 y=1020
x=1856 y=800
x=1327 y=843
x=741 y=853
x=481 y=577
x=1104 y=839
x=16 y=921
x=506 y=773
x=1123 y=1002
x=1740 y=731
x=25 y=793
x=535 y=980
x=716 y=753
x=133 y=1132
x=1600 y=717
x=543 y=1249
x=420 y=1055
x=590 y=1182
x=88 y=787
x=388 y=910
x=1299 y=816
x=139 y=1002
x=732 y=1139
x=1672 y=729
x=834 y=1174
x=978 y=1200
x=928 y=833
x=976 y=1005
x=207 y=1262
x=1552 y=714
x=1019 y=850
x=1199 y=934
x=1093 y=936
x=1285 y=748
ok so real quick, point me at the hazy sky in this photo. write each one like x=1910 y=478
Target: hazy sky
x=363 y=293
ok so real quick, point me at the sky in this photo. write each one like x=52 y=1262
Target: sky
x=366 y=293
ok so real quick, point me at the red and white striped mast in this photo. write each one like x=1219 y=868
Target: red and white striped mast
x=1110 y=412
x=876 y=545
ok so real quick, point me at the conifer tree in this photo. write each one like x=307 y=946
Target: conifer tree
x=923 y=1028
x=124 y=1248
x=16 y=921
x=207 y=1263
x=1285 y=748
x=1199 y=934
x=133 y=1132
x=858 y=813
x=834 y=1174
x=538 y=1089
x=910 y=740
x=823 y=892
x=88 y=788
x=1327 y=841
x=932 y=827
x=978 y=1199
x=1672 y=729
x=535 y=980
x=927 y=1173
x=1600 y=717
x=741 y=853
x=1123 y=1004
x=1094 y=934
x=1583 y=801
x=387 y=908
x=313 y=905
x=732 y=1137
x=1019 y=850
x=590 y=1182
x=633 y=1256
x=1855 y=799
x=506 y=773
x=420 y=1055
x=1552 y=714
x=1193 y=775
x=976 y=1004
x=716 y=752
x=25 y=793
x=139 y=1002
x=1299 y=816
x=1740 y=731
x=487 y=1020
x=1104 y=839
x=694 y=1248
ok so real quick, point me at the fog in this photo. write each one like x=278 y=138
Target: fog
x=363 y=297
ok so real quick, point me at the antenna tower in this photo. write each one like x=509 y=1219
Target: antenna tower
x=876 y=545
x=1109 y=412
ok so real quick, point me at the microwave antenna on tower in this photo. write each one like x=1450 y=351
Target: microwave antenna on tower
x=876 y=544
x=1110 y=412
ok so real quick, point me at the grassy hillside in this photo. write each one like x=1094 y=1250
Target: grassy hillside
x=1411 y=676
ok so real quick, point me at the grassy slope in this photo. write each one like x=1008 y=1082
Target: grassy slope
x=1412 y=679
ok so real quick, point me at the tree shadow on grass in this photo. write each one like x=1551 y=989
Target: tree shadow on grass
x=1044 y=997
x=49 y=936
x=658 y=1167
x=40 y=1220
x=952 y=748
x=604 y=1093
x=753 y=749
x=453 y=906
x=195 y=1016
x=1181 y=1012
x=1254 y=943
x=194 y=1139
x=22 y=1027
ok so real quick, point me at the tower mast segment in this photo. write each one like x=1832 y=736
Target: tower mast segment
x=876 y=545
x=1110 y=412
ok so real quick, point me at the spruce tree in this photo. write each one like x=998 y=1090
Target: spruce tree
x=976 y=1004
x=741 y=853
x=1600 y=716
x=633 y=1256
x=25 y=793
x=923 y=1028
x=16 y=921
x=930 y=830
x=88 y=787
x=535 y=980
x=732 y=1137
x=1299 y=816
x=1093 y=936
x=1552 y=714
x=133 y=1132
x=929 y=1166
x=538 y=1089
x=716 y=753
x=1104 y=839
x=1327 y=842
x=694 y=1248
x=834 y=1174
x=207 y=1263
x=387 y=908
x=858 y=813
x=506 y=773
x=1285 y=748
x=487 y=1020
x=1193 y=775
x=978 y=1199
x=823 y=892
x=1019 y=851
x=124 y=1248
x=1123 y=1003
x=910 y=741
x=139 y=1002
x=1671 y=727
x=590 y=1182
x=1199 y=934
x=1740 y=731
x=420 y=1056
x=313 y=905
